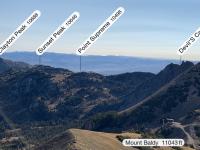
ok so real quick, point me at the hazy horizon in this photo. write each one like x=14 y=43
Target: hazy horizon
x=107 y=65
x=184 y=58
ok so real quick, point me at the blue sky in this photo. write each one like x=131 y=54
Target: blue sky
x=148 y=28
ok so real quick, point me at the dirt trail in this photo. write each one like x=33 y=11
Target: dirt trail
x=190 y=139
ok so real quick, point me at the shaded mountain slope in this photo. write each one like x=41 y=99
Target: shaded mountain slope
x=63 y=141
x=5 y=65
x=145 y=89
x=43 y=93
x=180 y=101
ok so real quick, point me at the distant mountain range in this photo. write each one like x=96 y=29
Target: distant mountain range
x=105 y=65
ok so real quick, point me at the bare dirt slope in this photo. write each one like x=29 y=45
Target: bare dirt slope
x=90 y=140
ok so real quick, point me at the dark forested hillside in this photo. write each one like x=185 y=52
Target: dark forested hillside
x=37 y=97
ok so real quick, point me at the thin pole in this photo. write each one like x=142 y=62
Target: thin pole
x=39 y=60
x=80 y=63
x=180 y=59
